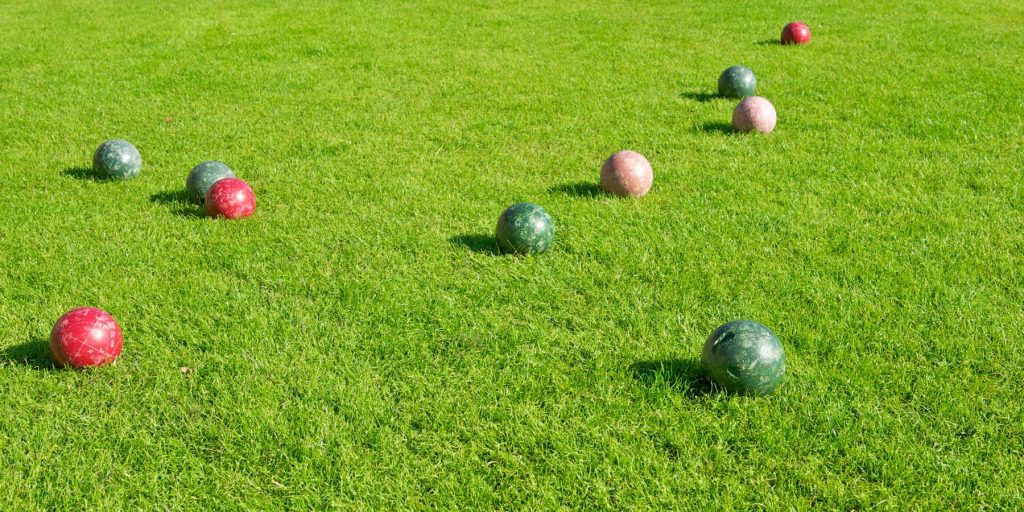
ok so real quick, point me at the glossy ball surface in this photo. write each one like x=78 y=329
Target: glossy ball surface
x=203 y=176
x=754 y=113
x=796 y=33
x=231 y=198
x=85 y=337
x=627 y=173
x=744 y=357
x=117 y=159
x=737 y=82
x=524 y=228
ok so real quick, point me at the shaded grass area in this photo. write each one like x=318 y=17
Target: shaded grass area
x=358 y=343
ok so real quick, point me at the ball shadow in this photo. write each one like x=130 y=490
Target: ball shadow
x=683 y=375
x=179 y=203
x=177 y=196
x=485 y=244
x=578 y=189
x=34 y=353
x=717 y=127
x=769 y=42
x=700 y=96
x=83 y=173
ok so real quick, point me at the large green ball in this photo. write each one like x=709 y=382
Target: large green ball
x=524 y=228
x=744 y=357
x=203 y=176
x=117 y=159
x=737 y=82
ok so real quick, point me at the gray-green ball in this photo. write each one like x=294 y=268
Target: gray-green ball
x=117 y=159
x=744 y=357
x=524 y=228
x=737 y=82
x=203 y=176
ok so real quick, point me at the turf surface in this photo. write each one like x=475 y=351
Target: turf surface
x=358 y=344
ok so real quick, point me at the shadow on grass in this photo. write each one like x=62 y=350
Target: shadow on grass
x=578 y=189
x=484 y=244
x=717 y=127
x=769 y=42
x=700 y=96
x=176 y=196
x=680 y=374
x=34 y=353
x=83 y=173
x=179 y=203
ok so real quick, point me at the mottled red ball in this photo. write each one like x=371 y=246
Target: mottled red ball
x=85 y=337
x=754 y=113
x=627 y=173
x=231 y=198
x=796 y=33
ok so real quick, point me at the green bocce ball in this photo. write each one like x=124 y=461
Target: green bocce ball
x=737 y=82
x=203 y=176
x=524 y=228
x=744 y=357
x=117 y=159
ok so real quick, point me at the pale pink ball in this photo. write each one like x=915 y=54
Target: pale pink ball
x=754 y=113
x=627 y=173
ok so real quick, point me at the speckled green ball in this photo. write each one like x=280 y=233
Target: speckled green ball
x=524 y=228
x=737 y=82
x=203 y=176
x=117 y=159
x=744 y=357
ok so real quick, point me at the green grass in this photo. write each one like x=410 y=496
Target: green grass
x=356 y=345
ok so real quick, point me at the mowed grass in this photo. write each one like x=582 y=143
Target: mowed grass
x=356 y=344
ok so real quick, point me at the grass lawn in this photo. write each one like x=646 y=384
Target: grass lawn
x=356 y=344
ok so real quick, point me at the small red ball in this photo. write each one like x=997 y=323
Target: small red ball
x=231 y=198
x=796 y=32
x=627 y=173
x=85 y=337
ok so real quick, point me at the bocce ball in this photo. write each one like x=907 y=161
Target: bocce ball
x=744 y=357
x=117 y=159
x=203 y=176
x=524 y=228
x=754 y=113
x=85 y=337
x=626 y=173
x=737 y=82
x=796 y=33
x=231 y=198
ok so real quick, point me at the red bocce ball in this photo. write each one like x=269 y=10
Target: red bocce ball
x=796 y=33
x=231 y=198
x=85 y=337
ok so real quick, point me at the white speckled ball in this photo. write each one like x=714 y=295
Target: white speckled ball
x=754 y=113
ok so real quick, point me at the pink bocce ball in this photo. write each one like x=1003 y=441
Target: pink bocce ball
x=627 y=173
x=754 y=113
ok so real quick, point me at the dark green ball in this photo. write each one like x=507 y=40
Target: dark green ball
x=524 y=228
x=117 y=159
x=744 y=357
x=737 y=82
x=203 y=176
